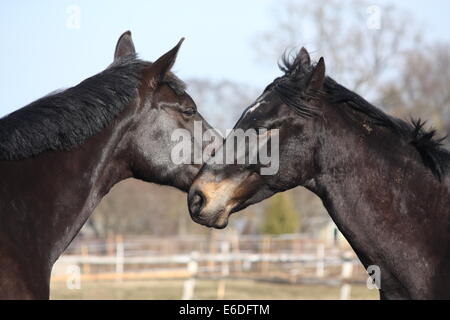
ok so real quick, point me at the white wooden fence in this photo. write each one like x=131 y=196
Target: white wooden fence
x=223 y=262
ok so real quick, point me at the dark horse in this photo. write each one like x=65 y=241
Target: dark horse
x=62 y=153
x=385 y=182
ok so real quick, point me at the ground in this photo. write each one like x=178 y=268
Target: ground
x=205 y=289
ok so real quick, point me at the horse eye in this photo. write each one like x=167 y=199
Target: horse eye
x=190 y=111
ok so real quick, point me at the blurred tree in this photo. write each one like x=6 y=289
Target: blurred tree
x=422 y=88
x=221 y=102
x=138 y=208
x=280 y=216
x=360 y=42
x=313 y=215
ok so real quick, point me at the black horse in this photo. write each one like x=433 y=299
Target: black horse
x=62 y=153
x=385 y=182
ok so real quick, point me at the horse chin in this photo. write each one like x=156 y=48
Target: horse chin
x=218 y=220
x=221 y=221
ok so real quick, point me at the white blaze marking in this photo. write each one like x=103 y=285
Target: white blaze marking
x=255 y=106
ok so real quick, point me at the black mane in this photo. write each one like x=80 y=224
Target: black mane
x=65 y=119
x=289 y=86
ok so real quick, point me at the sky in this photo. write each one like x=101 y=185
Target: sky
x=52 y=44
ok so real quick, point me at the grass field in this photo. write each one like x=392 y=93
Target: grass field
x=205 y=289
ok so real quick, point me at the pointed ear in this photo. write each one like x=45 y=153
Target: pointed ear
x=302 y=62
x=317 y=76
x=124 y=46
x=155 y=73
x=305 y=60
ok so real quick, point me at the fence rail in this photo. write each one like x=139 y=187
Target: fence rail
x=289 y=258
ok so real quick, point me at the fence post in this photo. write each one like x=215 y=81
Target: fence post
x=212 y=251
x=120 y=256
x=85 y=253
x=189 y=284
x=320 y=264
x=265 y=249
x=225 y=250
x=110 y=245
x=296 y=245
x=235 y=245
x=347 y=270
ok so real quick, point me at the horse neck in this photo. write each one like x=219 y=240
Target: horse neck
x=62 y=189
x=380 y=195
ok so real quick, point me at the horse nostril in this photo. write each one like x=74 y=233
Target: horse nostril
x=196 y=202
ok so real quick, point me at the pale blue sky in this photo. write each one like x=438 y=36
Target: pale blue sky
x=39 y=53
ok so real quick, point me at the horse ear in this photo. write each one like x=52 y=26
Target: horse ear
x=305 y=60
x=155 y=73
x=124 y=46
x=302 y=62
x=317 y=76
